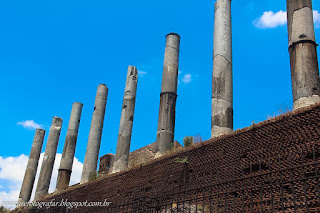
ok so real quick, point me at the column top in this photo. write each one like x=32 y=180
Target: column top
x=133 y=66
x=176 y=34
x=77 y=102
x=56 y=121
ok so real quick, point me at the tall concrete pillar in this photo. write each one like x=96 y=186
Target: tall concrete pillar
x=168 y=96
x=222 y=100
x=69 y=148
x=32 y=165
x=48 y=158
x=303 y=54
x=91 y=159
x=126 y=121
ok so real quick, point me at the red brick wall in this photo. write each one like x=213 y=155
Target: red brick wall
x=289 y=137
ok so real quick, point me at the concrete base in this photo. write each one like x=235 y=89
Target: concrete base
x=120 y=164
x=304 y=102
x=218 y=131
x=222 y=117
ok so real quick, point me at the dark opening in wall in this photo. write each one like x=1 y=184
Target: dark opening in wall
x=147 y=189
x=310 y=155
x=245 y=155
x=256 y=168
x=288 y=189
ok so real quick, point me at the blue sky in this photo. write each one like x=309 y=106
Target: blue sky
x=54 y=53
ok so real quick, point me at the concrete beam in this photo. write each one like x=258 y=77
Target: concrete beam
x=91 y=159
x=222 y=92
x=32 y=166
x=303 y=54
x=126 y=121
x=69 y=148
x=168 y=96
x=48 y=158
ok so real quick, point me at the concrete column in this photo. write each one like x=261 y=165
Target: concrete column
x=69 y=148
x=126 y=121
x=303 y=54
x=48 y=158
x=32 y=165
x=168 y=96
x=222 y=100
x=91 y=159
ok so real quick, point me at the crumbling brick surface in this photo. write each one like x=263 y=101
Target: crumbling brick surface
x=105 y=164
x=146 y=154
x=270 y=167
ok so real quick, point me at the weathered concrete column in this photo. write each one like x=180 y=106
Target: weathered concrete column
x=69 y=148
x=303 y=54
x=168 y=96
x=126 y=121
x=222 y=103
x=91 y=159
x=32 y=166
x=48 y=158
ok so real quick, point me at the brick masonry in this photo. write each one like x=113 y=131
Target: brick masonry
x=273 y=145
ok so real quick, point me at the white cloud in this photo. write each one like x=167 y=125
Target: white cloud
x=142 y=73
x=29 y=124
x=270 y=19
x=316 y=18
x=187 y=78
x=12 y=168
x=12 y=171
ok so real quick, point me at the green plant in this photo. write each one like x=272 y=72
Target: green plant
x=252 y=125
x=171 y=145
x=187 y=141
x=181 y=160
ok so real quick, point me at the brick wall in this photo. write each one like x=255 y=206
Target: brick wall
x=249 y=167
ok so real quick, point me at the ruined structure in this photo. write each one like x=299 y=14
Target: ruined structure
x=222 y=98
x=168 y=96
x=270 y=167
x=138 y=157
x=69 y=148
x=126 y=121
x=32 y=166
x=91 y=159
x=48 y=158
x=303 y=53
x=106 y=162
